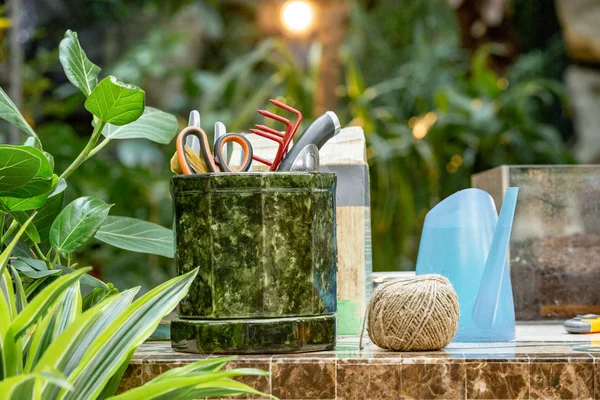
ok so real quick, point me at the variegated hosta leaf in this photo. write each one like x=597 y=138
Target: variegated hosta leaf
x=44 y=300
x=22 y=386
x=194 y=386
x=60 y=316
x=66 y=352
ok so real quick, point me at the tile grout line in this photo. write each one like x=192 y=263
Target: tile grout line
x=529 y=378
x=335 y=378
x=594 y=382
x=271 y=375
x=465 y=376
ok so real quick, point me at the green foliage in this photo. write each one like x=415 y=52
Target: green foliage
x=135 y=235
x=80 y=71
x=50 y=348
x=77 y=223
x=153 y=124
x=10 y=113
x=115 y=102
x=32 y=195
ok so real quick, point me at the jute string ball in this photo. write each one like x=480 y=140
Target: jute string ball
x=412 y=314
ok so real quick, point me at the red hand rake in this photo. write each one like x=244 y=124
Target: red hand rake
x=283 y=139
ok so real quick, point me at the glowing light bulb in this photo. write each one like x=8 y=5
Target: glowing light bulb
x=297 y=16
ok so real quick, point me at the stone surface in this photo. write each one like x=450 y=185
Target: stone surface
x=492 y=380
x=266 y=247
x=556 y=365
x=265 y=244
x=303 y=379
x=579 y=21
x=562 y=381
x=555 y=241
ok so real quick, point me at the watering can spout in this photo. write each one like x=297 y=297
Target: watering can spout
x=488 y=297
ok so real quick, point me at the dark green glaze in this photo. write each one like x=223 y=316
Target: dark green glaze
x=269 y=335
x=265 y=245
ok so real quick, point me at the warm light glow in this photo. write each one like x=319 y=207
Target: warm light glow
x=297 y=16
x=420 y=130
x=420 y=126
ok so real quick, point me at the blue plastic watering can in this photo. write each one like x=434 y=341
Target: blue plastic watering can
x=464 y=240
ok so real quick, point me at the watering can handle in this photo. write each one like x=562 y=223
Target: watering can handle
x=486 y=303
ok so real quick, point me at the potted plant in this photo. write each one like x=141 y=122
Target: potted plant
x=56 y=343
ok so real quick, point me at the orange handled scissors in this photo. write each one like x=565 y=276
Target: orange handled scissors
x=218 y=162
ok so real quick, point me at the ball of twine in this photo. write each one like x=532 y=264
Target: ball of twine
x=417 y=313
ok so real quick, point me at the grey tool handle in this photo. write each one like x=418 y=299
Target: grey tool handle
x=192 y=141
x=318 y=133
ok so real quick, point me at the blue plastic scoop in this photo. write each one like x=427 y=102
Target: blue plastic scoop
x=464 y=240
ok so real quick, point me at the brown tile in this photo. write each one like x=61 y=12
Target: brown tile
x=352 y=380
x=368 y=381
x=260 y=383
x=493 y=380
x=303 y=380
x=561 y=380
x=151 y=371
x=132 y=378
x=433 y=381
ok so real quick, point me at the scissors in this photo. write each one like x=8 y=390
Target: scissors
x=218 y=162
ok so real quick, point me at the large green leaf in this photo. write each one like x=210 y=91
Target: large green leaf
x=137 y=235
x=40 y=183
x=77 y=223
x=50 y=209
x=18 y=165
x=154 y=125
x=80 y=71
x=28 y=203
x=109 y=350
x=10 y=113
x=115 y=102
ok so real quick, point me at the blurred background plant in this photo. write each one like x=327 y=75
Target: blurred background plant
x=441 y=88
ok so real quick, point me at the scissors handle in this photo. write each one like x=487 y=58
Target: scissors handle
x=204 y=150
x=221 y=157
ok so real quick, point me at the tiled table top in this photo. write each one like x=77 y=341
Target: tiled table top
x=544 y=362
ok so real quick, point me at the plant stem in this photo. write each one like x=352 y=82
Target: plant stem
x=14 y=225
x=99 y=147
x=2 y=217
x=41 y=255
x=85 y=153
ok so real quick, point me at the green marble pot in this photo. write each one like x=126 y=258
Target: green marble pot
x=265 y=245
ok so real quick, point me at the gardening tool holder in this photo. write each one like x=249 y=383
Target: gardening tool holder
x=265 y=247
